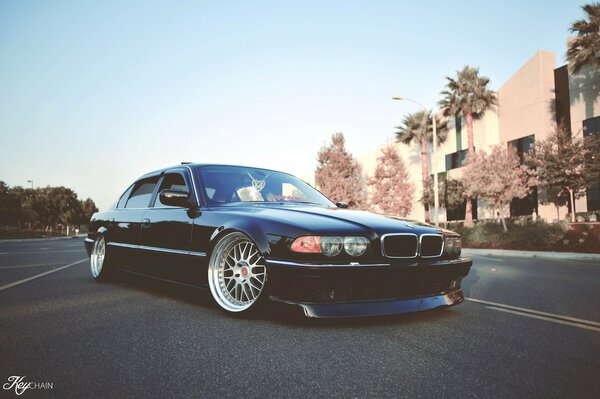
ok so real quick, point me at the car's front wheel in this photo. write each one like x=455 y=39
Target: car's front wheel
x=100 y=260
x=237 y=273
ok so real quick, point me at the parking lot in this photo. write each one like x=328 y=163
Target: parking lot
x=529 y=328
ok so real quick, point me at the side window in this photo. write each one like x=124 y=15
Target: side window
x=142 y=193
x=124 y=197
x=171 y=181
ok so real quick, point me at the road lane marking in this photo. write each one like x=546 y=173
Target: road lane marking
x=488 y=258
x=553 y=320
x=3 y=253
x=538 y=313
x=5 y=287
x=46 y=251
x=20 y=266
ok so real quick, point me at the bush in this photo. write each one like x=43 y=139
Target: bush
x=531 y=236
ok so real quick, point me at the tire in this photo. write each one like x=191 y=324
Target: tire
x=100 y=266
x=237 y=274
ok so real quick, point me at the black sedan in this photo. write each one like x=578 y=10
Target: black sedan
x=251 y=234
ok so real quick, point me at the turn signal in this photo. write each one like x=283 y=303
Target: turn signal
x=307 y=244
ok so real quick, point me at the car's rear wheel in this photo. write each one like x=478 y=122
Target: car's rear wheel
x=100 y=260
x=237 y=273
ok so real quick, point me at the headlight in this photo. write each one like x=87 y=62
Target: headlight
x=330 y=246
x=452 y=246
x=355 y=246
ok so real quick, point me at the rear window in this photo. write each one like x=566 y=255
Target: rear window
x=142 y=193
x=124 y=198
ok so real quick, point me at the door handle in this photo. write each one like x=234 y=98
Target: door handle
x=145 y=223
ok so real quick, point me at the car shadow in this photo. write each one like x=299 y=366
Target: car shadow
x=161 y=288
x=294 y=316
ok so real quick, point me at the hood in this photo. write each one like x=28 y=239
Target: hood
x=321 y=220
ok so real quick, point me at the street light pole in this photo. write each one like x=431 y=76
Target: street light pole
x=436 y=194
x=436 y=199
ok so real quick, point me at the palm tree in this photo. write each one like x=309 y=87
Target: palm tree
x=468 y=95
x=418 y=127
x=584 y=49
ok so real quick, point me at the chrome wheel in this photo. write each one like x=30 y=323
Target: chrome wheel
x=97 y=257
x=236 y=273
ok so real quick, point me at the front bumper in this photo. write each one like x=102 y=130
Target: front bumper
x=367 y=290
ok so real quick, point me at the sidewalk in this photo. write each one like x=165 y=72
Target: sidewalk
x=531 y=254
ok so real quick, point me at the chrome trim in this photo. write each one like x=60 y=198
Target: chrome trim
x=87 y=239
x=157 y=249
x=382 y=240
x=432 y=235
x=120 y=244
x=167 y=250
x=351 y=264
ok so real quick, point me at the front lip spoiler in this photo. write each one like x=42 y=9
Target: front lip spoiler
x=377 y=307
x=354 y=265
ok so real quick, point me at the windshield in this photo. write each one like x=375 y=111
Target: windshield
x=230 y=184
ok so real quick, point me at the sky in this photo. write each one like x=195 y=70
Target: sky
x=94 y=94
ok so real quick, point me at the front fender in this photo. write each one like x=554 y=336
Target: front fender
x=250 y=229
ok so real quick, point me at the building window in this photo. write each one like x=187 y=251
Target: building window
x=592 y=126
x=458 y=212
x=522 y=145
x=456 y=159
x=529 y=204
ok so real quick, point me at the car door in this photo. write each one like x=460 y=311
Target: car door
x=125 y=227
x=166 y=233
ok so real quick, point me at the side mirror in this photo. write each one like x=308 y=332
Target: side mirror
x=175 y=198
x=342 y=205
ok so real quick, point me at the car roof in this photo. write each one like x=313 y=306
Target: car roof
x=197 y=164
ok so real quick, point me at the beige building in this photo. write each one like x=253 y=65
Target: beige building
x=536 y=99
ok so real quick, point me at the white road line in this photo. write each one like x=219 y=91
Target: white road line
x=20 y=266
x=46 y=251
x=553 y=320
x=540 y=314
x=3 y=253
x=5 y=287
x=488 y=258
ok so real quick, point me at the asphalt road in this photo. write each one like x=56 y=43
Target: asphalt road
x=535 y=335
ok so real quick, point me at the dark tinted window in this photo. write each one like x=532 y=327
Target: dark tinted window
x=456 y=159
x=142 y=193
x=124 y=197
x=522 y=145
x=591 y=126
x=171 y=181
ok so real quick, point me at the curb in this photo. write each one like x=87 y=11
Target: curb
x=531 y=254
x=42 y=238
